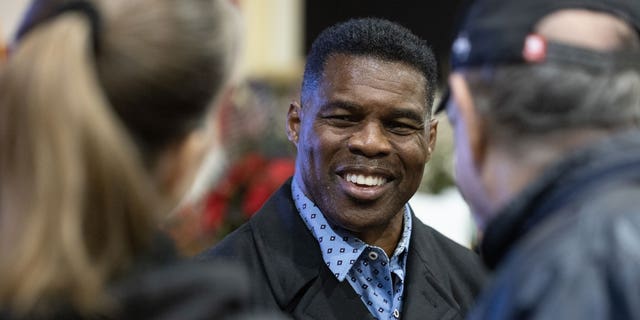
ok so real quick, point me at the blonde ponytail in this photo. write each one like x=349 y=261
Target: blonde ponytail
x=76 y=204
x=80 y=132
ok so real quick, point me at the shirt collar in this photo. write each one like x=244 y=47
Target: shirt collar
x=340 y=249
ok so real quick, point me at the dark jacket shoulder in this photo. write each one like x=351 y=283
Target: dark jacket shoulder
x=161 y=285
x=451 y=268
x=567 y=247
x=288 y=272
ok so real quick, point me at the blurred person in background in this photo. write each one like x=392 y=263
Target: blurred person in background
x=3 y=48
x=338 y=239
x=106 y=110
x=545 y=107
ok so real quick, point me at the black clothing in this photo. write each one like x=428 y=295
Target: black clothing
x=288 y=272
x=569 y=246
x=162 y=286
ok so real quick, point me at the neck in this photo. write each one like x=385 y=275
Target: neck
x=508 y=170
x=386 y=236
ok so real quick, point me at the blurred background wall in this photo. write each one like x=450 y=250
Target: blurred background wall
x=278 y=34
x=10 y=13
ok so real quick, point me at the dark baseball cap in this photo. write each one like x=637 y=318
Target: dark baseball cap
x=501 y=32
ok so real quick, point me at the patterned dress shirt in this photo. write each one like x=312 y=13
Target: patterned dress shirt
x=378 y=280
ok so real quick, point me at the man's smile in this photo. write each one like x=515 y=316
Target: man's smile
x=362 y=180
x=364 y=183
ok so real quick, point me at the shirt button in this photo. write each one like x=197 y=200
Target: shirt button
x=373 y=255
x=396 y=314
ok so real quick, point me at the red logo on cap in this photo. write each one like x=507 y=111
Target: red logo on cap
x=535 y=48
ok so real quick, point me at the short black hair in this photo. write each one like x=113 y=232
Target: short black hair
x=373 y=37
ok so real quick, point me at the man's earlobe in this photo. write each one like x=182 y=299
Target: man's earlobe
x=293 y=122
x=433 y=133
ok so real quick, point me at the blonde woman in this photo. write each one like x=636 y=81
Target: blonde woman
x=104 y=115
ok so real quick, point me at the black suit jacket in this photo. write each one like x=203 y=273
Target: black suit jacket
x=288 y=272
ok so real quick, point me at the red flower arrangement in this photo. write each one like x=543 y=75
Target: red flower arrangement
x=244 y=190
x=238 y=195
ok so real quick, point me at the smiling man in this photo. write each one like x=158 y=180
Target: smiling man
x=338 y=240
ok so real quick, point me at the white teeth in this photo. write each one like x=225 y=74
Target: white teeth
x=370 y=181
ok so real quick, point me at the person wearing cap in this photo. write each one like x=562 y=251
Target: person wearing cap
x=338 y=240
x=545 y=106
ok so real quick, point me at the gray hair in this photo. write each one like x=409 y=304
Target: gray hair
x=532 y=100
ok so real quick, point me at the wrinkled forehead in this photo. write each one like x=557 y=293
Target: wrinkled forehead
x=346 y=71
x=365 y=77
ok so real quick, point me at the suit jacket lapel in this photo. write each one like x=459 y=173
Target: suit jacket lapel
x=424 y=293
x=304 y=286
x=301 y=283
x=328 y=299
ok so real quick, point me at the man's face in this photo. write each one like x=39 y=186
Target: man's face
x=362 y=140
x=466 y=136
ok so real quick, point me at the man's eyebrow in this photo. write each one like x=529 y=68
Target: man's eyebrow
x=408 y=114
x=339 y=104
x=397 y=113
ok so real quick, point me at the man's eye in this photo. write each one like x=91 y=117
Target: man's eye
x=402 y=128
x=340 y=119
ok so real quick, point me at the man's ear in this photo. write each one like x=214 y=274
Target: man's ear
x=293 y=122
x=468 y=116
x=433 y=133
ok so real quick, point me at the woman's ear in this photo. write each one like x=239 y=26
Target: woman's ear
x=468 y=116
x=293 y=122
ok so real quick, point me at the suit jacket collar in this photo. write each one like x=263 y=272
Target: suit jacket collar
x=426 y=293
x=285 y=243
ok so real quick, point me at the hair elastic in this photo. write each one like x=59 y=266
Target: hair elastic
x=84 y=7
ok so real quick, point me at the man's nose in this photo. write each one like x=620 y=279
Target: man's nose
x=370 y=141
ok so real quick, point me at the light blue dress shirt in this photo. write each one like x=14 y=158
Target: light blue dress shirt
x=378 y=280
